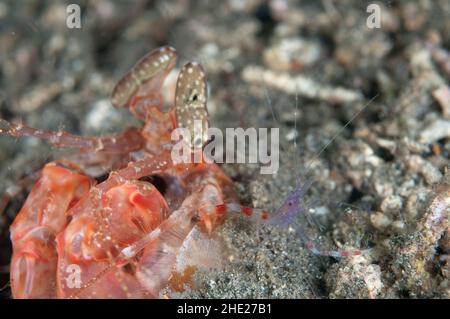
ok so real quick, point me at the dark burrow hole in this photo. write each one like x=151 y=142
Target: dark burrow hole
x=158 y=181
x=102 y=178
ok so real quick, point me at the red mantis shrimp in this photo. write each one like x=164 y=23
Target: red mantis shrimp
x=121 y=236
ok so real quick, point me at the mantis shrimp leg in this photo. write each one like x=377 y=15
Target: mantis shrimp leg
x=130 y=141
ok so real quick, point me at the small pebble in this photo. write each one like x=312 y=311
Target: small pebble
x=398 y=226
x=380 y=221
x=436 y=130
x=392 y=204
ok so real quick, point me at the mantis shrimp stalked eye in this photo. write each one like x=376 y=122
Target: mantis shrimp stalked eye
x=190 y=103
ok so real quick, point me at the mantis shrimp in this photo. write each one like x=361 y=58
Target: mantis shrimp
x=122 y=236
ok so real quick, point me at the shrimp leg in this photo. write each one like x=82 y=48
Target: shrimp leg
x=129 y=141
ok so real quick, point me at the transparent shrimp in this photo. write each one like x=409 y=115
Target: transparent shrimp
x=294 y=205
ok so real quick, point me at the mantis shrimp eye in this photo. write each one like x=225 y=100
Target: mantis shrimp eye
x=190 y=104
